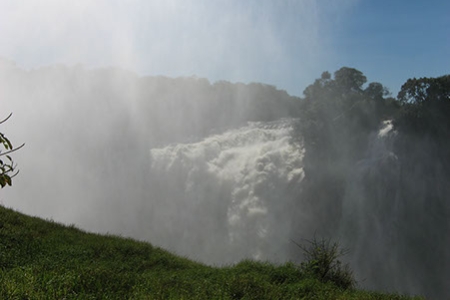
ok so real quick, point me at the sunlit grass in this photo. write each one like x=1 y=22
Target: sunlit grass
x=45 y=260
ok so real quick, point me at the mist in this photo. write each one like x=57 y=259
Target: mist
x=217 y=172
x=90 y=134
x=177 y=123
x=220 y=40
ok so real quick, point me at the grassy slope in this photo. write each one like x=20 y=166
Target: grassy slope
x=44 y=260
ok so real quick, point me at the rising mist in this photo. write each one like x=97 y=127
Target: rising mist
x=220 y=172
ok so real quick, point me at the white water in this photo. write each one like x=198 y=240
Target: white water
x=222 y=196
x=370 y=212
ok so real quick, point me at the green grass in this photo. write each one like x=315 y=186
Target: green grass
x=45 y=260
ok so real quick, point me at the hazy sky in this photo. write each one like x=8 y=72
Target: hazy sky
x=287 y=43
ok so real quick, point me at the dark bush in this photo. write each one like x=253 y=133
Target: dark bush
x=321 y=261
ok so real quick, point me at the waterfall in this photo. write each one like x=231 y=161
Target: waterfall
x=396 y=230
x=223 y=199
x=175 y=162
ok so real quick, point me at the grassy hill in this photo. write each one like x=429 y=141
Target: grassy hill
x=45 y=260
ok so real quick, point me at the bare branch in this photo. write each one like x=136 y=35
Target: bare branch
x=3 y=121
x=15 y=174
x=12 y=150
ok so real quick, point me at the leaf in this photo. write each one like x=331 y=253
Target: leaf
x=8 y=180
x=9 y=143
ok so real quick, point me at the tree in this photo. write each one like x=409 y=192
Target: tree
x=338 y=109
x=425 y=106
x=336 y=119
x=376 y=90
x=7 y=167
x=425 y=90
x=350 y=79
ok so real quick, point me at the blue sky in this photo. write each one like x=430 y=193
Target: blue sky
x=287 y=43
x=391 y=41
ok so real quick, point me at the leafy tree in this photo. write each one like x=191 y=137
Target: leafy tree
x=337 y=115
x=425 y=90
x=7 y=166
x=425 y=106
x=349 y=80
x=375 y=90
x=339 y=111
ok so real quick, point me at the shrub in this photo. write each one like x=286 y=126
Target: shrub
x=321 y=261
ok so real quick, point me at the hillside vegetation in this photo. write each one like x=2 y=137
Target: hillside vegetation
x=45 y=260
